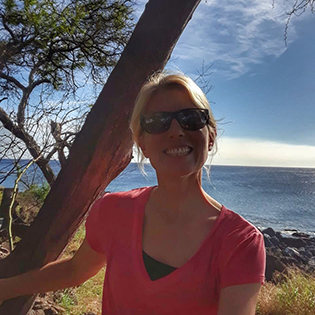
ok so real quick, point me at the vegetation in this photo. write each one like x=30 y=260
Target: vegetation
x=293 y=294
x=88 y=296
x=49 y=51
x=30 y=201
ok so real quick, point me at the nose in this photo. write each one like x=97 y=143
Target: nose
x=175 y=129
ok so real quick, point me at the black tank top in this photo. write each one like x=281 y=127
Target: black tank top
x=156 y=269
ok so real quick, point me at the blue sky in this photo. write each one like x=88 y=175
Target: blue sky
x=264 y=91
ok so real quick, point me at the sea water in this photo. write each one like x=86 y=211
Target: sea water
x=281 y=198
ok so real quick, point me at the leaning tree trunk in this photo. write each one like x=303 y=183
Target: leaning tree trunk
x=5 y=206
x=103 y=148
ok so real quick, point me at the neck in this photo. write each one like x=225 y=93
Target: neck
x=180 y=187
x=177 y=197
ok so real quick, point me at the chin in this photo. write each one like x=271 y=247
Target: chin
x=179 y=173
x=177 y=168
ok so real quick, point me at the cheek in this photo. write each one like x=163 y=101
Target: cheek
x=205 y=145
x=150 y=145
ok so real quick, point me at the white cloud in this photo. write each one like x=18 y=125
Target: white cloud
x=255 y=152
x=236 y=35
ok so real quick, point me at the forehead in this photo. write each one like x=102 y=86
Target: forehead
x=169 y=100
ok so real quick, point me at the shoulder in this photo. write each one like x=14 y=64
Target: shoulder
x=242 y=251
x=112 y=203
x=133 y=195
x=234 y=231
x=234 y=224
x=117 y=209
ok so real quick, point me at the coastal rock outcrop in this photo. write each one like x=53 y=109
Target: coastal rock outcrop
x=293 y=249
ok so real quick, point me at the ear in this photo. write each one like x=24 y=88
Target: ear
x=210 y=145
x=212 y=138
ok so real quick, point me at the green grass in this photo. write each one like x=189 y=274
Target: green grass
x=293 y=294
x=88 y=296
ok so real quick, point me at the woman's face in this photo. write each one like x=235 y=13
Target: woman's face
x=176 y=152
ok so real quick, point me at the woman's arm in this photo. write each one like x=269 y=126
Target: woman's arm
x=56 y=275
x=239 y=299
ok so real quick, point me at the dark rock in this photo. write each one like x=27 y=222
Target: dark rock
x=312 y=250
x=306 y=253
x=269 y=231
x=273 y=263
x=291 y=251
x=284 y=251
x=291 y=230
x=289 y=261
x=275 y=241
x=302 y=259
x=300 y=234
x=279 y=236
x=296 y=255
x=267 y=241
x=293 y=242
x=311 y=240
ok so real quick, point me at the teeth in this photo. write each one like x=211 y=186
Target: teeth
x=178 y=151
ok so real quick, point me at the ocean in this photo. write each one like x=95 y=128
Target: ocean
x=281 y=198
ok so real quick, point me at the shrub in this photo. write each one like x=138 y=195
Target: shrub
x=293 y=294
x=30 y=201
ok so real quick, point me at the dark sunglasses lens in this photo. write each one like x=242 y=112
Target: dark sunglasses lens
x=156 y=123
x=192 y=119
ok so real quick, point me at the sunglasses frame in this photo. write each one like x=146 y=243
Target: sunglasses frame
x=175 y=115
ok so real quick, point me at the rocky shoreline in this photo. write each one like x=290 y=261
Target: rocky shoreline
x=283 y=250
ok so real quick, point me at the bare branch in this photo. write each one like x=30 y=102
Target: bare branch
x=31 y=145
x=12 y=80
x=51 y=153
x=37 y=83
x=203 y=79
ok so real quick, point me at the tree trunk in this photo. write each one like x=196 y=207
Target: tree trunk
x=5 y=206
x=103 y=148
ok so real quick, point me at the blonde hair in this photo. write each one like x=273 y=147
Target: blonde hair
x=158 y=82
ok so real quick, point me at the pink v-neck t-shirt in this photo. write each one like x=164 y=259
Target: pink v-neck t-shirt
x=233 y=253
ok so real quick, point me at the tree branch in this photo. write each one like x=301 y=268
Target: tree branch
x=31 y=145
x=6 y=27
x=12 y=80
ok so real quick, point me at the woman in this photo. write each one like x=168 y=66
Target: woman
x=169 y=249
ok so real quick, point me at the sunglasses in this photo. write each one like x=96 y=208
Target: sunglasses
x=189 y=119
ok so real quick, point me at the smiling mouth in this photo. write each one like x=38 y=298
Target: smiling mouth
x=180 y=151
